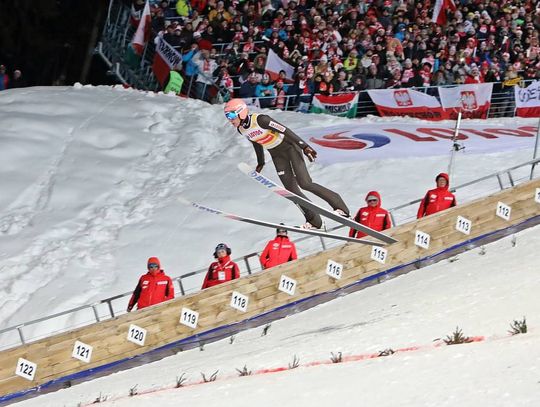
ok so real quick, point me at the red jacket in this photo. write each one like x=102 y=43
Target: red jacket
x=151 y=290
x=278 y=251
x=437 y=199
x=221 y=271
x=374 y=217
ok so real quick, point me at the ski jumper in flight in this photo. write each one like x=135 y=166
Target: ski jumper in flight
x=286 y=149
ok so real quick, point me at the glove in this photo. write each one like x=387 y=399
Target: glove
x=310 y=153
x=129 y=308
x=259 y=167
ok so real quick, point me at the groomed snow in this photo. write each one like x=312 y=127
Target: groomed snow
x=91 y=176
x=481 y=294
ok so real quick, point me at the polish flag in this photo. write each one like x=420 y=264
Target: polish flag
x=143 y=31
x=440 y=9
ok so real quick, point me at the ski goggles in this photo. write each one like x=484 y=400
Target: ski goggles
x=153 y=266
x=231 y=115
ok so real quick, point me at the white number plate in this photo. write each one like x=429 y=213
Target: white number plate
x=463 y=225
x=422 y=239
x=287 y=285
x=82 y=351
x=189 y=318
x=379 y=254
x=503 y=211
x=136 y=334
x=239 y=301
x=26 y=369
x=334 y=269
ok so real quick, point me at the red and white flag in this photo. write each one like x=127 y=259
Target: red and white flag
x=406 y=102
x=528 y=100
x=142 y=35
x=440 y=9
x=274 y=64
x=472 y=100
x=166 y=59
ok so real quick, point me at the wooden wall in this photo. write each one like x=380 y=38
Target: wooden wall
x=53 y=355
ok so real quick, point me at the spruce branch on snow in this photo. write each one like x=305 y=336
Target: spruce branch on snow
x=386 y=352
x=457 y=338
x=100 y=399
x=244 y=371
x=266 y=329
x=337 y=358
x=212 y=378
x=295 y=363
x=180 y=380
x=133 y=391
x=518 y=327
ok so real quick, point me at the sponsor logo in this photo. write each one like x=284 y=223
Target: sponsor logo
x=254 y=133
x=468 y=100
x=361 y=141
x=161 y=283
x=402 y=98
x=265 y=182
x=277 y=126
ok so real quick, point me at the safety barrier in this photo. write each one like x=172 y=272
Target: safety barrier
x=114 y=306
x=155 y=332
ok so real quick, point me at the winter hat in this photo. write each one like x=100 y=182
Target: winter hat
x=222 y=246
x=154 y=260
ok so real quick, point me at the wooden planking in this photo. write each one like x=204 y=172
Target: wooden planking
x=53 y=354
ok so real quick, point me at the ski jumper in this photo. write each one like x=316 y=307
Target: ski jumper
x=286 y=149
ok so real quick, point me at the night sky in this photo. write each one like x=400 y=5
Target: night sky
x=48 y=40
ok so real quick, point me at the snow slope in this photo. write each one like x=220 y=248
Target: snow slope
x=90 y=177
x=481 y=294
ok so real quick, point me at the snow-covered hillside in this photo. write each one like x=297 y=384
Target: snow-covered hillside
x=90 y=179
x=482 y=294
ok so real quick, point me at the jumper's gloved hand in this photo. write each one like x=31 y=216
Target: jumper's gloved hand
x=310 y=153
x=259 y=167
x=129 y=308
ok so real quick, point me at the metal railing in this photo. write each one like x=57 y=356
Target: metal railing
x=116 y=305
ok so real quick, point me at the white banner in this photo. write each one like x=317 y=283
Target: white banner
x=528 y=100
x=274 y=64
x=406 y=102
x=473 y=100
x=398 y=139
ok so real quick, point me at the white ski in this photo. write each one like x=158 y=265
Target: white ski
x=298 y=200
x=296 y=229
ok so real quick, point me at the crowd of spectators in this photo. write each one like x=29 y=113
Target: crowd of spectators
x=342 y=45
x=16 y=80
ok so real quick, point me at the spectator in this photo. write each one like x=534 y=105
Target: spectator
x=223 y=269
x=17 y=81
x=174 y=80
x=278 y=251
x=249 y=87
x=4 y=79
x=153 y=287
x=281 y=95
x=206 y=67
x=265 y=90
x=183 y=8
x=373 y=215
x=437 y=199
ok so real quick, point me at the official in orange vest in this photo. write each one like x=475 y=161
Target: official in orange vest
x=278 y=251
x=437 y=199
x=153 y=287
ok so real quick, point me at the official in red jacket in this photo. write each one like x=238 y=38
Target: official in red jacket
x=222 y=270
x=278 y=251
x=153 y=287
x=437 y=199
x=372 y=216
